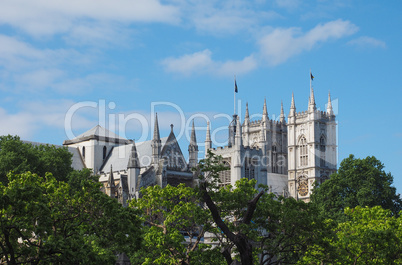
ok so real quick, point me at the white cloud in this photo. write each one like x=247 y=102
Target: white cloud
x=17 y=55
x=202 y=63
x=365 y=41
x=222 y=18
x=43 y=17
x=281 y=44
x=27 y=68
x=34 y=117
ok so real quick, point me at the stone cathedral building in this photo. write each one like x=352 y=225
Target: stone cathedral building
x=125 y=166
x=288 y=157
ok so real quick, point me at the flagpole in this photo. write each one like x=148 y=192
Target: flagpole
x=310 y=81
x=234 y=103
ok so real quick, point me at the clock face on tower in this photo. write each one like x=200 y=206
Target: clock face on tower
x=303 y=188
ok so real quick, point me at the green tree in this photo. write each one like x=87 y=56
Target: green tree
x=370 y=236
x=174 y=226
x=45 y=221
x=358 y=182
x=289 y=228
x=255 y=223
x=20 y=157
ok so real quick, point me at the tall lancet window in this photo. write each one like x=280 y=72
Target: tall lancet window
x=249 y=169
x=274 y=160
x=83 y=151
x=322 y=151
x=224 y=175
x=303 y=151
x=104 y=152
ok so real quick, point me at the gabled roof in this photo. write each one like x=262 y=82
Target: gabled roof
x=120 y=155
x=98 y=133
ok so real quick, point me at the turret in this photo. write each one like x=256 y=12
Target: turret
x=292 y=112
x=247 y=116
x=311 y=104
x=156 y=142
x=193 y=149
x=133 y=168
x=238 y=137
x=265 y=112
x=246 y=127
x=236 y=158
x=232 y=131
x=208 y=142
x=330 y=111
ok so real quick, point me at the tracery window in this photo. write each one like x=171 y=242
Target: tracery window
x=225 y=175
x=322 y=151
x=303 y=151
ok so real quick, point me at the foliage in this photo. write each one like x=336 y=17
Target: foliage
x=254 y=223
x=21 y=157
x=44 y=221
x=358 y=182
x=371 y=236
x=175 y=223
x=289 y=228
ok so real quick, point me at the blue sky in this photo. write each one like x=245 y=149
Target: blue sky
x=66 y=66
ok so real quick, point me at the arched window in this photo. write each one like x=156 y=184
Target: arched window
x=224 y=176
x=104 y=152
x=322 y=151
x=83 y=151
x=303 y=151
x=249 y=168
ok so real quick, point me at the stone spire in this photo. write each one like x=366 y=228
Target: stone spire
x=282 y=116
x=208 y=142
x=110 y=188
x=265 y=112
x=193 y=149
x=292 y=107
x=330 y=111
x=156 y=142
x=133 y=161
x=193 y=140
x=247 y=116
x=311 y=104
x=156 y=129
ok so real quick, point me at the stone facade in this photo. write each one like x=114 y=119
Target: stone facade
x=125 y=166
x=287 y=157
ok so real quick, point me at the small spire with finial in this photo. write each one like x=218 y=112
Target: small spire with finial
x=282 y=116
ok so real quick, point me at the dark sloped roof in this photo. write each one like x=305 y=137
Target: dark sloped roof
x=98 y=133
x=120 y=155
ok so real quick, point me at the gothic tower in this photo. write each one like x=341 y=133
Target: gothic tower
x=311 y=147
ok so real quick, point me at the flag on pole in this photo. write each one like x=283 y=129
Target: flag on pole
x=311 y=76
x=236 y=87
